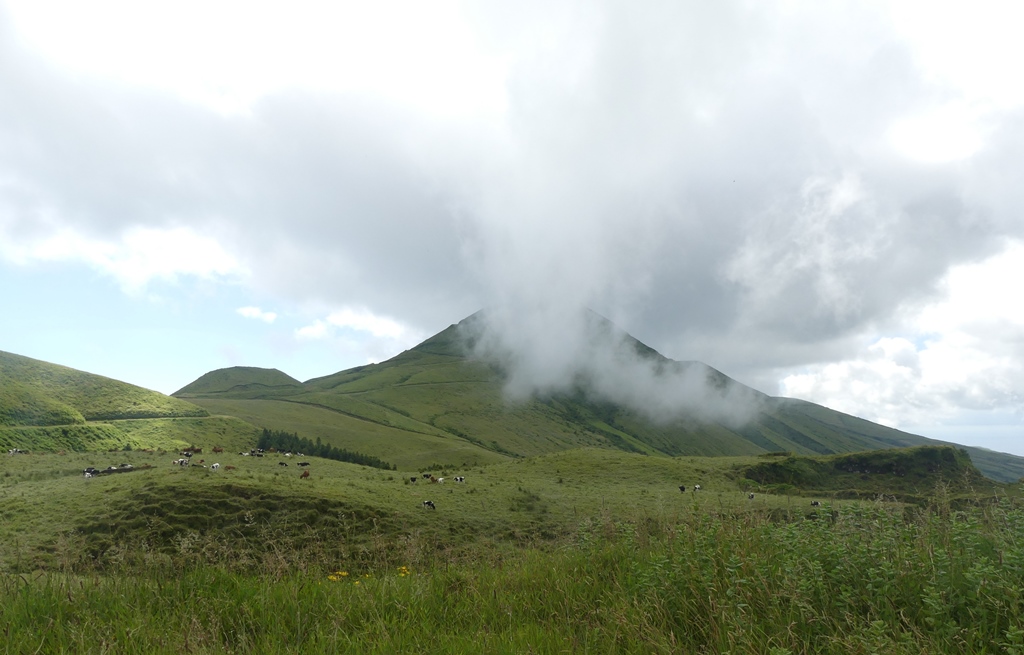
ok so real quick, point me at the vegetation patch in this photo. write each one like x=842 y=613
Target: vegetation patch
x=293 y=443
x=907 y=473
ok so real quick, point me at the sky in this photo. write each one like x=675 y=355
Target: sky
x=819 y=199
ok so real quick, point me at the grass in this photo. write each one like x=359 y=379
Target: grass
x=591 y=550
x=166 y=433
x=871 y=579
x=38 y=393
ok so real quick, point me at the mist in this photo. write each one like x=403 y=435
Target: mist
x=546 y=351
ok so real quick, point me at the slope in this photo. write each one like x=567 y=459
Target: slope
x=47 y=407
x=33 y=392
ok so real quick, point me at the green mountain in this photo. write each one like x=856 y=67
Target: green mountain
x=49 y=407
x=239 y=380
x=38 y=393
x=446 y=401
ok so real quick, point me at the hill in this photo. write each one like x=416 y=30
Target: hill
x=447 y=401
x=33 y=392
x=48 y=407
x=238 y=380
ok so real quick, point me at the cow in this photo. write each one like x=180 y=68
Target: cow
x=218 y=449
x=682 y=488
x=413 y=479
x=305 y=474
x=815 y=503
x=460 y=478
x=303 y=464
x=750 y=496
x=229 y=468
x=428 y=504
x=439 y=480
x=215 y=466
x=696 y=487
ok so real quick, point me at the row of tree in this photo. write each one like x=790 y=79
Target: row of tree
x=292 y=442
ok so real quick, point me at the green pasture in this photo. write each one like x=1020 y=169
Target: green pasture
x=54 y=517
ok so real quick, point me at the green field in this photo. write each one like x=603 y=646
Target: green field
x=589 y=550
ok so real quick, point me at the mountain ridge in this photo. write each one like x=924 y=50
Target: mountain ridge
x=452 y=386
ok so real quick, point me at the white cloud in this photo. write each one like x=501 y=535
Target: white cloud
x=939 y=135
x=257 y=313
x=963 y=353
x=317 y=330
x=420 y=54
x=139 y=256
x=363 y=321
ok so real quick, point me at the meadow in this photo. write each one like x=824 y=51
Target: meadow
x=587 y=551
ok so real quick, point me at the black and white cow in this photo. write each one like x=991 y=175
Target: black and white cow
x=428 y=504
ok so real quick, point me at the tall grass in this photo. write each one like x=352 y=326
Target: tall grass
x=874 y=579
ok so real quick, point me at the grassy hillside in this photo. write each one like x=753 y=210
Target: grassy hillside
x=39 y=393
x=238 y=380
x=46 y=407
x=435 y=396
x=133 y=434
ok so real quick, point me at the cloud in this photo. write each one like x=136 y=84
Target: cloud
x=964 y=353
x=363 y=322
x=257 y=313
x=138 y=257
x=316 y=330
x=731 y=183
x=561 y=350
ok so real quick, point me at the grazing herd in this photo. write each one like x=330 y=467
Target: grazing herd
x=92 y=472
x=185 y=460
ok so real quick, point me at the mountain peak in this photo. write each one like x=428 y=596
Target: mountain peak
x=237 y=379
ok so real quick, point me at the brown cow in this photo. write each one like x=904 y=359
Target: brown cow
x=218 y=449
x=229 y=468
x=305 y=474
